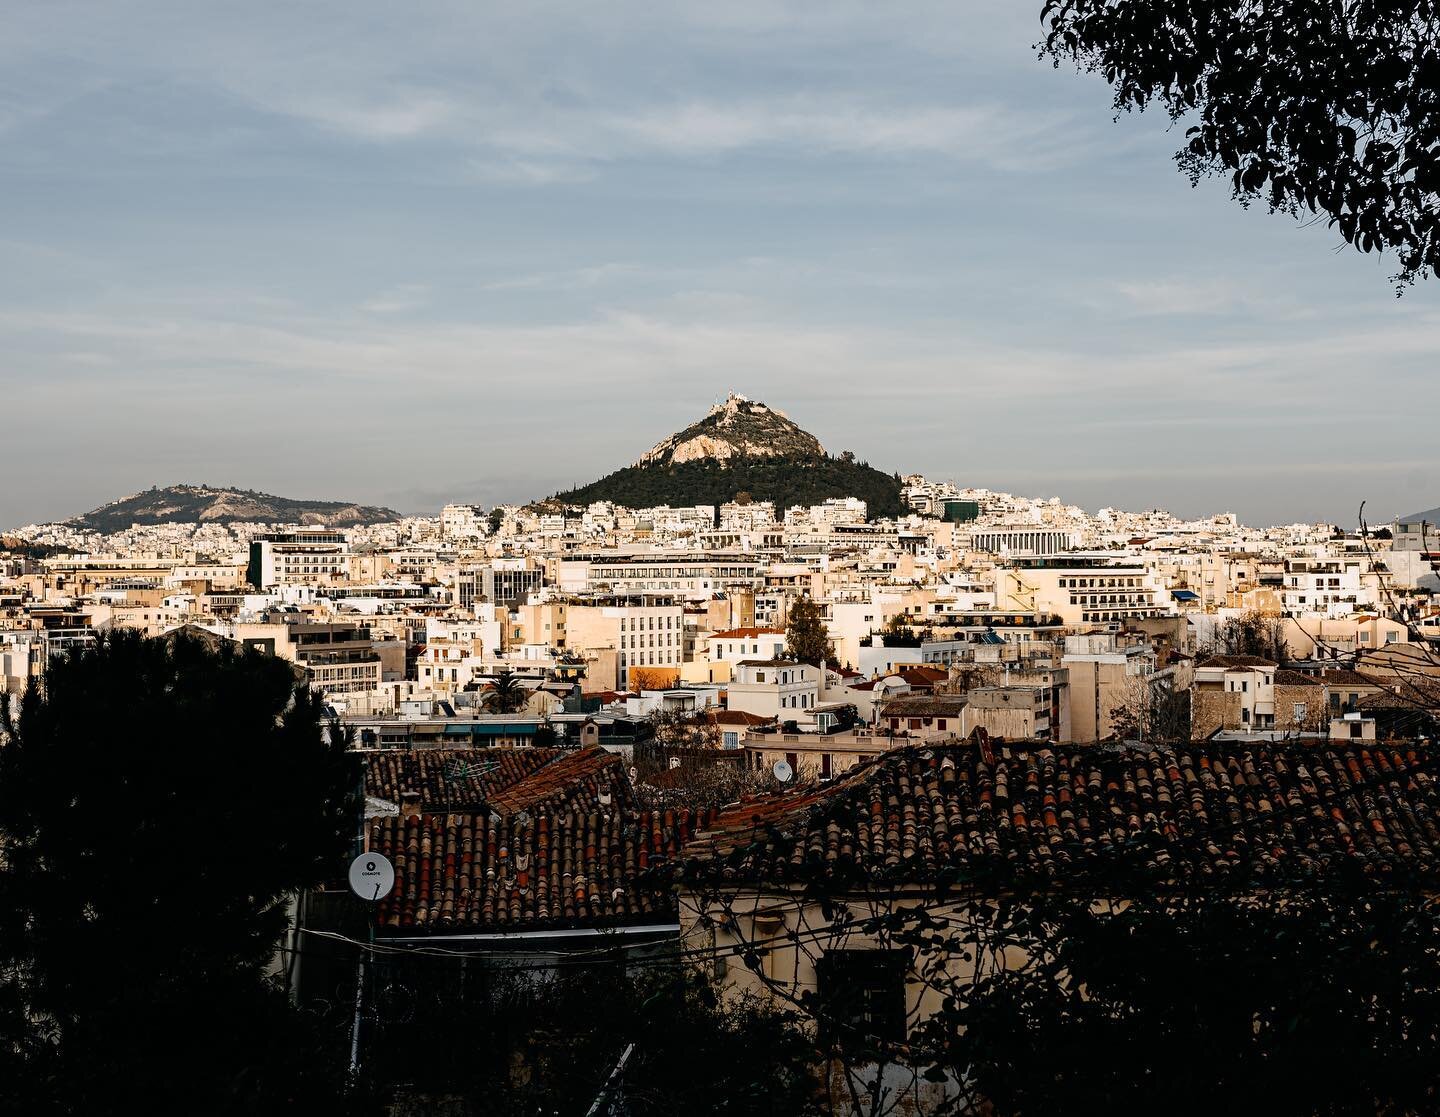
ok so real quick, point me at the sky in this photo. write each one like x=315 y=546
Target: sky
x=413 y=253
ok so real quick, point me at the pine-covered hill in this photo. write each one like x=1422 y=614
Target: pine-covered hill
x=785 y=480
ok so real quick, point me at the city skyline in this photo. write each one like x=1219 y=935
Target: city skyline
x=407 y=258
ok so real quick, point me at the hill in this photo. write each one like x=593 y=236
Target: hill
x=201 y=504
x=742 y=446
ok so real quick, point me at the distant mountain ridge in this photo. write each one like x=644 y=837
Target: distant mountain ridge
x=741 y=446
x=202 y=504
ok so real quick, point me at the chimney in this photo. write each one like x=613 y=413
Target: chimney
x=409 y=805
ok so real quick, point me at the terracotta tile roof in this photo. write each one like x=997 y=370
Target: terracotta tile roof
x=1343 y=676
x=924 y=676
x=559 y=846
x=923 y=705
x=1232 y=661
x=1206 y=813
x=738 y=717
x=746 y=633
x=460 y=779
x=482 y=872
x=585 y=779
x=1285 y=677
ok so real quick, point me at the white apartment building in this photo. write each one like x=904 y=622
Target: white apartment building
x=462 y=522
x=694 y=575
x=304 y=557
x=1329 y=586
x=737 y=644
x=774 y=688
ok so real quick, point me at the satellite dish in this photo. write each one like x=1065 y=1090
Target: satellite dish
x=372 y=876
x=783 y=771
x=633 y=772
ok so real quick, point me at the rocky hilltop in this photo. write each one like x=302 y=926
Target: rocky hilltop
x=201 y=504
x=737 y=428
x=742 y=447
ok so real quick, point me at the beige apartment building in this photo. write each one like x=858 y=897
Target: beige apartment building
x=1082 y=589
x=1101 y=677
x=644 y=630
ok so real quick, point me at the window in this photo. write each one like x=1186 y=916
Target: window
x=1355 y=729
x=1300 y=709
x=732 y=739
x=862 y=995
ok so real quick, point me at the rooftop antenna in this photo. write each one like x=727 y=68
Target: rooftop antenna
x=782 y=770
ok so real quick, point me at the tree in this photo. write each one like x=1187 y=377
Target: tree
x=653 y=678
x=160 y=801
x=806 y=639
x=1329 y=109
x=505 y=695
x=1151 y=709
x=1253 y=633
x=1183 y=1003
x=511 y=1041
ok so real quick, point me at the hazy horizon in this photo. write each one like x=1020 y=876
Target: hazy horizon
x=401 y=256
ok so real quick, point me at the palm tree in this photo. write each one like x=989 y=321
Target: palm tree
x=505 y=695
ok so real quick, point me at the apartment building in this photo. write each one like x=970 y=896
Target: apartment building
x=693 y=575
x=1101 y=677
x=646 y=630
x=1083 y=589
x=302 y=557
x=774 y=688
x=505 y=582
x=339 y=658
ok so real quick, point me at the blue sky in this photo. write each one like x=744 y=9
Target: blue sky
x=415 y=253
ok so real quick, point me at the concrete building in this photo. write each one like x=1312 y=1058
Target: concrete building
x=1101 y=677
x=303 y=557
x=774 y=688
x=1082 y=589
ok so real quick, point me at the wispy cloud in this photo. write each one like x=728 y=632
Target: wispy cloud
x=398 y=300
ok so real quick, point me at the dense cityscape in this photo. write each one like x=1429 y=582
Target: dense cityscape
x=1008 y=685
x=591 y=719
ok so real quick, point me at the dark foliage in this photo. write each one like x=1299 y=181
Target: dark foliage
x=159 y=800
x=505 y=694
x=807 y=640
x=1317 y=1001
x=1321 y=108
x=787 y=481
x=1255 y=634
x=492 y=1041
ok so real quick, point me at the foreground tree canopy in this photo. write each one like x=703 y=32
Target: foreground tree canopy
x=159 y=802
x=1327 y=108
